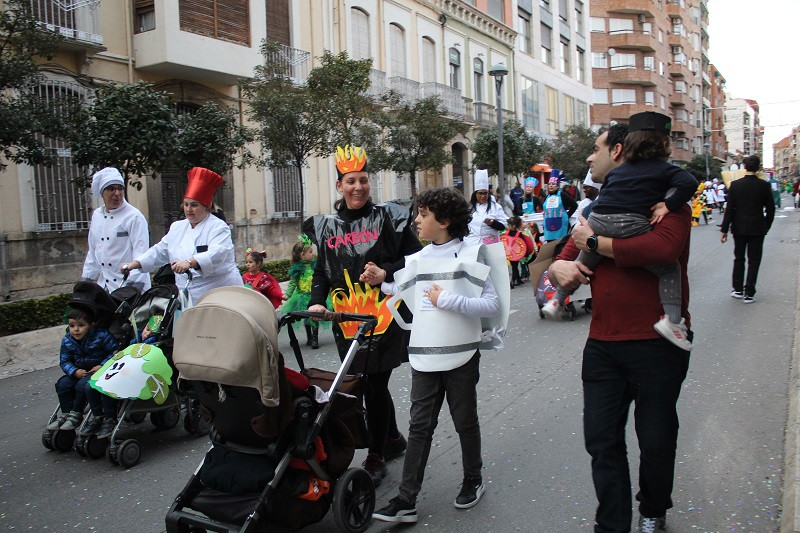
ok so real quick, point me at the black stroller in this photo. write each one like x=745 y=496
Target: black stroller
x=281 y=447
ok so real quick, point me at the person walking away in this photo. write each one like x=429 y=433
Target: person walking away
x=631 y=202
x=488 y=218
x=298 y=292
x=720 y=188
x=558 y=207
x=748 y=216
x=711 y=200
x=360 y=246
x=776 y=190
x=118 y=232
x=440 y=372
x=625 y=360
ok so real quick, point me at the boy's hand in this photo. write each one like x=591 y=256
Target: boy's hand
x=373 y=274
x=80 y=373
x=659 y=212
x=94 y=369
x=488 y=221
x=433 y=293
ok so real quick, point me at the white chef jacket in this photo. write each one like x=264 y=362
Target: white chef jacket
x=115 y=238
x=478 y=231
x=209 y=242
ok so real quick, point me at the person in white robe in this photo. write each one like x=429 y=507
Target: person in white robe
x=488 y=217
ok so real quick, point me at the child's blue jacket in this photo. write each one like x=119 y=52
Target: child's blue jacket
x=95 y=349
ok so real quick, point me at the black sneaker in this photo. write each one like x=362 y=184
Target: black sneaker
x=395 y=447
x=471 y=491
x=107 y=428
x=749 y=299
x=398 y=511
x=652 y=525
x=375 y=467
x=737 y=294
x=93 y=426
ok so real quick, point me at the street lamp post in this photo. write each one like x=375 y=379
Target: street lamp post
x=498 y=72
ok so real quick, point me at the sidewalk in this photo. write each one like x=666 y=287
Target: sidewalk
x=36 y=350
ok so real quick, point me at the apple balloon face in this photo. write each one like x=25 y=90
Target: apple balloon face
x=140 y=371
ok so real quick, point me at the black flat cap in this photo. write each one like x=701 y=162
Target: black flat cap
x=650 y=120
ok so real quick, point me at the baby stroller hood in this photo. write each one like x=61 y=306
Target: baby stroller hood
x=230 y=337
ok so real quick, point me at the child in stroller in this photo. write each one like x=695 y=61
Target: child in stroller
x=280 y=447
x=149 y=334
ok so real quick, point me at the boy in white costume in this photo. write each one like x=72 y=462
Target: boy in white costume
x=443 y=350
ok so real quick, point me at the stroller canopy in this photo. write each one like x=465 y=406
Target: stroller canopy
x=230 y=337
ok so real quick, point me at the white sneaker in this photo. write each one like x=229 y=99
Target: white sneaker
x=737 y=294
x=677 y=334
x=552 y=309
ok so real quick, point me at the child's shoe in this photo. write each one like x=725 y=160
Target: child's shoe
x=107 y=428
x=677 y=334
x=398 y=511
x=552 y=309
x=92 y=427
x=471 y=491
x=73 y=420
x=57 y=423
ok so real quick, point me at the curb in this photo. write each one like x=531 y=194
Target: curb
x=790 y=519
x=30 y=351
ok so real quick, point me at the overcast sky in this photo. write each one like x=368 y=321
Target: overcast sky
x=755 y=47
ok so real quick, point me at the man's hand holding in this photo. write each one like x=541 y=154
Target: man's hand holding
x=569 y=274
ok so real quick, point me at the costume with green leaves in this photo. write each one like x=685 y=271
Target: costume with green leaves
x=140 y=371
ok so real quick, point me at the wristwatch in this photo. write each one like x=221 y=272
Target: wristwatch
x=591 y=243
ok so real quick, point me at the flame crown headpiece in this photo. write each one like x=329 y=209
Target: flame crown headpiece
x=350 y=159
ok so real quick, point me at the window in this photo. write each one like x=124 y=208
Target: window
x=563 y=10
x=551 y=104
x=597 y=24
x=428 y=60
x=661 y=68
x=620 y=25
x=649 y=98
x=227 y=20
x=495 y=10
x=599 y=60
x=530 y=104
x=545 y=4
x=623 y=96
x=622 y=61
x=663 y=102
x=360 y=35
x=599 y=96
x=579 y=26
x=547 y=45
x=477 y=73
x=660 y=36
x=144 y=13
x=286 y=181
x=397 y=45
x=524 y=32
x=580 y=66
x=455 y=67
x=582 y=110
x=566 y=67
x=647 y=28
x=680 y=87
x=649 y=63
x=682 y=115
x=569 y=110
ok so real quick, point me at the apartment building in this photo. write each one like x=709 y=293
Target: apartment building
x=551 y=67
x=647 y=56
x=743 y=128
x=714 y=99
x=783 y=158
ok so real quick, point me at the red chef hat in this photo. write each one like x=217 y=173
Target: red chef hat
x=202 y=184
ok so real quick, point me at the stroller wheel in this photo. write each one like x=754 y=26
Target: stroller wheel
x=111 y=453
x=194 y=423
x=63 y=440
x=47 y=439
x=353 y=500
x=167 y=418
x=93 y=447
x=136 y=418
x=80 y=445
x=129 y=453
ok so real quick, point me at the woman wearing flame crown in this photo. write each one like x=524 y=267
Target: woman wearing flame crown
x=360 y=246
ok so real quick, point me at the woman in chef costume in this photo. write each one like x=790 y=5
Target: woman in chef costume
x=488 y=217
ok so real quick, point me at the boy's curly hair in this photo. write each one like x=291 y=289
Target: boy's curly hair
x=447 y=205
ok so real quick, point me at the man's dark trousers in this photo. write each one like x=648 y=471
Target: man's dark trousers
x=753 y=247
x=649 y=373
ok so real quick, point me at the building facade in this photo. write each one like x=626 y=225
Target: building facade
x=647 y=56
x=785 y=157
x=743 y=129
x=714 y=99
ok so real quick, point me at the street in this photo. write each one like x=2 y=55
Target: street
x=730 y=453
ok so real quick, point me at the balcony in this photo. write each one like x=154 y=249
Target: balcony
x=451 y=98
x=408 y=90
x=680 y=126
x=680 y=99
x=635 y=40
x=633 y=76
x=78 y=22
x=624 y=111
x=679 y=154
x=633 y=7
x=377 y=83
x=680 y=70
x=168 y=50
x=485 y=114
x=674 y=9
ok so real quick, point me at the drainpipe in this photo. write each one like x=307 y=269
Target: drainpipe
x=129 y=39
x=5 y=276
x=244 y=176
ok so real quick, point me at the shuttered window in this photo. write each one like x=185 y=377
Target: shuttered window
x=428 y=60
x=360 y=34
x=397 y=45
x=227 y=20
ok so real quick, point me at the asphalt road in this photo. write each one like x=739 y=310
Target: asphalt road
x=730 y=454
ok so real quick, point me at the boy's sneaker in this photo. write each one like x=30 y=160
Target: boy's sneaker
x=398 y=511
x=107 y=428
x=749 y=299
x=93 y=426
x=57 y=423
x=652 y=525
x=74 y=419
x=552 y=309
x=395 y=447
x=677 y=334
x=471 y=491
x=375 y=467
x=737 y=294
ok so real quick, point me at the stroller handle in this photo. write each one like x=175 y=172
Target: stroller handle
x=128 y=271
x=333 y=317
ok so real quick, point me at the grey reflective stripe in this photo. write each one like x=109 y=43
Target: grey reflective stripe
x=424 y=350
x=447 y=275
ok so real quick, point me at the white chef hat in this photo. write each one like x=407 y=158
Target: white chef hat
x=481 y=179
x=589 y=182
x=104 y=178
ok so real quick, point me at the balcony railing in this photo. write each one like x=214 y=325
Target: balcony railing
x=451 y=97
x=78 y=21
x=408 y=90
x=296 y=64
x=485 y=114
x=377 y=83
